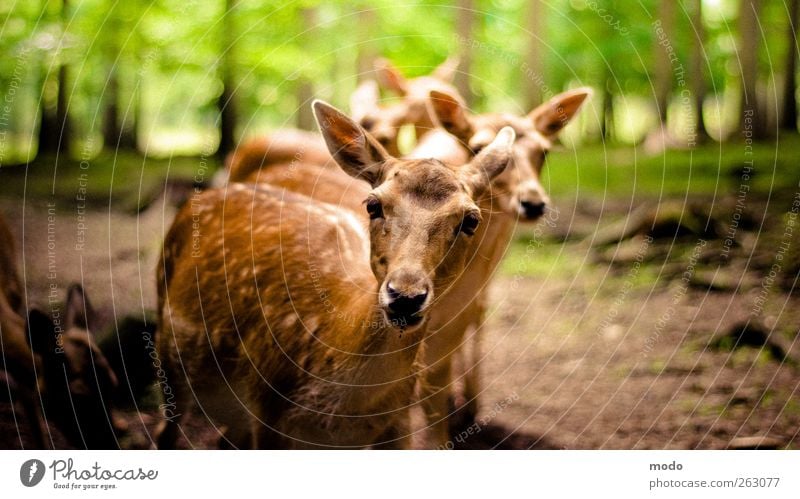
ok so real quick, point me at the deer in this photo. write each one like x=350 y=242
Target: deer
x=515 y=195
x=293 y=325
x=19 y=360
x=79 y=383
x=290 y=146
x=54 y=361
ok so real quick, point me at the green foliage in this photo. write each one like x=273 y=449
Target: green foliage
x=168 y=56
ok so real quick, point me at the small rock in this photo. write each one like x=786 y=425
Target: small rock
x=755 y=442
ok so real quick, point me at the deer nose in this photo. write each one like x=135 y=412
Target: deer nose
x=405 y=298
x=532 y=209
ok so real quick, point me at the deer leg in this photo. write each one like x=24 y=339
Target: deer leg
x=435 y=396
x=472 y=379
x=396 y=435
x=178 y=403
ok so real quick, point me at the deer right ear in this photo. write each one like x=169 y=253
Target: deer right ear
x=364 y=99
x=446 y=71
x=451 y=115
x=553 y=115
x=390 y=77
x=355 y=150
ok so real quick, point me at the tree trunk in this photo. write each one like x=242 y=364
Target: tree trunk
x=663 y=55
x=305 y=87
x=365 y=60
x=607 y=121
x=226 y=103
x=55 y=130
x=111 y=130
x=698 y=78
x=465 y=21
x=788 y=119
x=752 y=122
x=534 y=76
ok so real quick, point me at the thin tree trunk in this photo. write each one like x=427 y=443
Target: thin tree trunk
x=534 y=77
x=663 y=68
x=788 y=119
x=305 y=87
x=226 y=102
x=111 y=130
x=607 y=122
x=365 y=60
x=465 y=24
x=698 y=77
x=55 y=130
x=752 y=117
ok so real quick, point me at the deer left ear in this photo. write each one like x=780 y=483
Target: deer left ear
x=390 y=77
x=552 y=116
x=79 y=311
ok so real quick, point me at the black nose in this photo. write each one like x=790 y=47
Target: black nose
x=532 y=210
x=403 y=305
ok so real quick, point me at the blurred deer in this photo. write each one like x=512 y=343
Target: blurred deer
x=293 y=323
x=517 y=194
x=383 y=123
x=55 y=362
x=79 y=382
x=18 y=358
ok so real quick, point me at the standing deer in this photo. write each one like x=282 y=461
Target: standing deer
x=292 y=325
x=517 y=194
x=382 y=122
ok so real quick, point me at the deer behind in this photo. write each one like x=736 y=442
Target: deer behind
x=295 y=147
x=294 y=324
x=59 y=371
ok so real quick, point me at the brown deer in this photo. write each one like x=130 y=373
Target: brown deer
x=292 y=325
x=19 y=361
x=383 y=122
x=58 y=369
x=517 y=194
x=79 y=381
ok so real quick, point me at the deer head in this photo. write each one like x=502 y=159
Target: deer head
x=78 y=379
x=421 y=211
x=384 y=121
x=519 y=190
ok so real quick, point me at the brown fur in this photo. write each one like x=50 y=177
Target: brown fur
x=276 y=317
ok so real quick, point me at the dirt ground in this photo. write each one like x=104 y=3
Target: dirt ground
x=587 y=346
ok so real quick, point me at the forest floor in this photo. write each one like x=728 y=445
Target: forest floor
x=649 y=311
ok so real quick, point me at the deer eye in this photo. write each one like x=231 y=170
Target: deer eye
x=374 y=208
x=470 y=223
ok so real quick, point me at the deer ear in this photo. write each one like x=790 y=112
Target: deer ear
x=491 y=161
x=364 y=99
x=390 y=77
x=79 y=312
x=451 y=114
x=41 y=333
x=355 y=151
x=553 y=115
x=446 y=71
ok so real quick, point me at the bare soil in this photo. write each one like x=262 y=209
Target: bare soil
x=584 y=348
